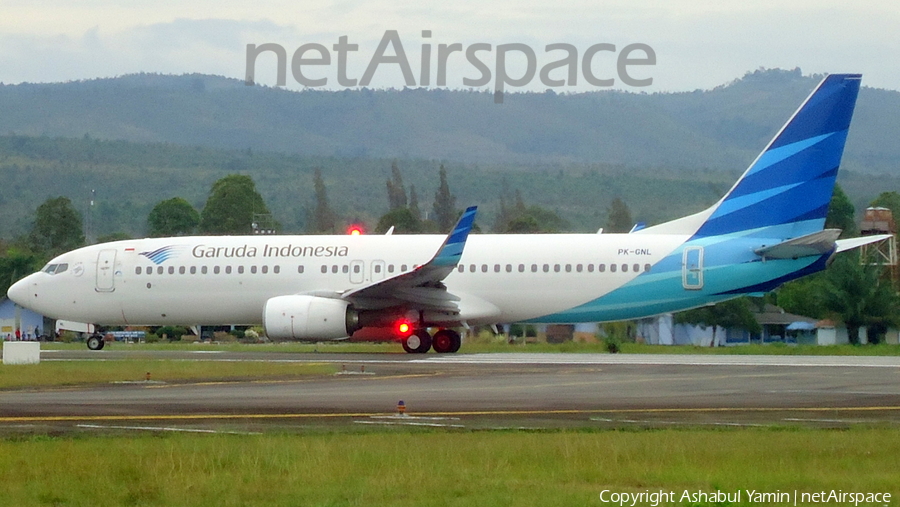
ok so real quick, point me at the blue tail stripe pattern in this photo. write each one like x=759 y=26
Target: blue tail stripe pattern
x=784 y=194
x=792 y=180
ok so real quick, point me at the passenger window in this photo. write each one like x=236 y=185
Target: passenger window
x=636 y=268
x=377 y=269
x=345 y=269
x=159 y=270
x=180 y=270
x=484 y=268
x=324 y=269
x=390 y=268
x=578 y=268
x=568 y=268
x=276 y=269
x=509 y=268
x=171 y=270
x=227 y=270
x=556 y=268
x=356 y=268
x=265 y=269
x=240 y=270
x=601 y=267
x=646 y=267
x=216 y=270
x=193 y=270
x=521 y=268
x=137 y=270
x=624 y=268
x=403 y=267
x=546 y=268
x=461 y=268
x=471 y=268
x=300 y=269
x=203 y=270
x=534 y=268
x=590 y=268
x=612 y=268
x=496 y=268
x=334 y=268
x=253 y=270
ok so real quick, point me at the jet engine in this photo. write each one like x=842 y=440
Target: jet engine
x=301 y=317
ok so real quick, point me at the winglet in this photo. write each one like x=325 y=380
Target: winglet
x=452 y=249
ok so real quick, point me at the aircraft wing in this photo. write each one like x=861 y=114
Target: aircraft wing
x=422 y=287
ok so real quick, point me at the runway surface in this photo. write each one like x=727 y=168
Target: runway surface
x=480 y=391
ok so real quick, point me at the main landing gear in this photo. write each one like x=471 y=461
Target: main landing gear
x=444 y=341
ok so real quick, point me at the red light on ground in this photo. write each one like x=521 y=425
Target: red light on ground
x=355 y=230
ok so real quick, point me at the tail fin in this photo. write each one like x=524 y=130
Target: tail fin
x=787 y=189
x=789 y=185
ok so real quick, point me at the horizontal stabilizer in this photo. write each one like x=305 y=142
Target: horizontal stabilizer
x=851 y=243
x=817 y=243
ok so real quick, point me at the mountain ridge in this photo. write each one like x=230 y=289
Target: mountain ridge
x=721 y=128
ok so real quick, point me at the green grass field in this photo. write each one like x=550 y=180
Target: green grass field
x=68 y=373
x=440 y=468
x=495 y=346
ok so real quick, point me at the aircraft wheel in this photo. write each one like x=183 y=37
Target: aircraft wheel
x=418 y=342
x=446 y=341
x=95 y=342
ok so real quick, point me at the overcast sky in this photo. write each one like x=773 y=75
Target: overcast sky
x=697 y=43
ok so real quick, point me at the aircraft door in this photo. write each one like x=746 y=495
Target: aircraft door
x=106 y=268
x=377 y=271
x=357 y=271
x=692 y=268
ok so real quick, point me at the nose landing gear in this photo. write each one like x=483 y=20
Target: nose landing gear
x=96 y=342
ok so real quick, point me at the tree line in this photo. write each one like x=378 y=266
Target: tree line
x=853 y=292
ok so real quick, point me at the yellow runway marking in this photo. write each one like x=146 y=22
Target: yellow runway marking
x=189 y=417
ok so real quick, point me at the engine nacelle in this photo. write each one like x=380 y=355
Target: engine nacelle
x=308 y=318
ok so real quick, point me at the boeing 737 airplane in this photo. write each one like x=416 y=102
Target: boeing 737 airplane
x=768 y=229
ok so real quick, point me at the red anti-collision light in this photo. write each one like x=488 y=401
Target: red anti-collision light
x=355 y=230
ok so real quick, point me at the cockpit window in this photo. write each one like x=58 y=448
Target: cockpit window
x=55 y=269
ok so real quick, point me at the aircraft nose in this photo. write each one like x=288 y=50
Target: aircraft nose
x=22 y=291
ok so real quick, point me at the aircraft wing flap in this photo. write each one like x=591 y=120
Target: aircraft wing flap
x=422 y=286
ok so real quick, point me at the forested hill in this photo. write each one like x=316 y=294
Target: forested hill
x=722 y=128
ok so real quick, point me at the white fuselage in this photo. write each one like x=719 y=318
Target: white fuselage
x=228 y=279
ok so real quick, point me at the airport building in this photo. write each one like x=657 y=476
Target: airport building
x=13 y=316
